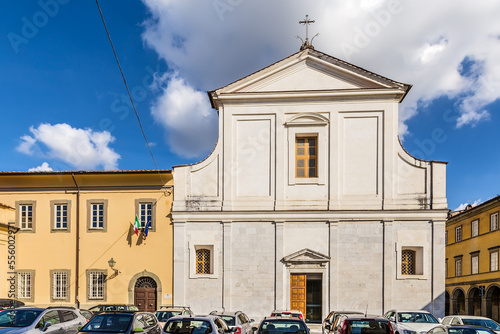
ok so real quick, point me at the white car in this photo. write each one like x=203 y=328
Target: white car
x=183 y=324
x=471 y=320
x=411 y=322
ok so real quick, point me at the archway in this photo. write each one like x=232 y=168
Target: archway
x=458 y=302
x=475 y=301
x=145 y=294
x=493 y=302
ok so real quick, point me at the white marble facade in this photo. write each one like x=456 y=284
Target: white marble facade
x=346 y=226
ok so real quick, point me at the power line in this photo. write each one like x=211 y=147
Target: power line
x=128 y=90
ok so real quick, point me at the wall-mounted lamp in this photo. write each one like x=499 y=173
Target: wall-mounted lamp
x=111 y=264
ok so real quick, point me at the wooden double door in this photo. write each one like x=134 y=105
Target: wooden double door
x=306 y=295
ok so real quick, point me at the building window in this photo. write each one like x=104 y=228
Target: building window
x=474 y=228
x=203 y=263
x=26 y=216
x=458 y=233
x=96 y=284
x=97 y=215
x=494 y=260
x=494 y=221
x=25 y=285
x=458 y=267
x=408 y=258
x=474 y=264
x=60 y=280
x=145 y=211
x=306 y=160
x=445 y=238
x=60 y=216
x=446 y=268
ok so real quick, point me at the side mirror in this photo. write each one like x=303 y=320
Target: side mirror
x=393 y=319
x=46 y=325
x=138 y=330
x=440 y=320
x=254 y=329
x=327 y=326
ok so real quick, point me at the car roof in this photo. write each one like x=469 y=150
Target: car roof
x=410 y=311
x=195 y=317
x=356 y=316
x=225 y=313
x=468 y=316
x=287 y=311
x=278 y=318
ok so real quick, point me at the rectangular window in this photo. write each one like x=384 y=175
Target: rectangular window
x=59 y=285
x=97 y=215
x=474 y=264
x=494 y=260
x=458 y=233
x=445 y=238
x=203 y=261
x=145 y=214
x=494 y=221
x=24 y=285
x=474 y=228
x=60 y=216
x=306 y=159
x=408 y=258
x=26 y=217
x=458 y=267
x=96 y=284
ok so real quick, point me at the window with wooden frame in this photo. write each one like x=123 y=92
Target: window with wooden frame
x=494 y=221
x=474 y=263
x=458 y=266
x=24 y=285
x=203 y=263
x=474 y=228
x=408 y=258
x=494 y=260
x=458 y=233
x=306 y=159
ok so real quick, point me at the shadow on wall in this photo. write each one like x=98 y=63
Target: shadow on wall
x=437 y=306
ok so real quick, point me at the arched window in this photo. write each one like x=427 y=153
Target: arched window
x=408 y=257
x=203 y=261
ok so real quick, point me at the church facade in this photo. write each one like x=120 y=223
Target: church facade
x=309 y=200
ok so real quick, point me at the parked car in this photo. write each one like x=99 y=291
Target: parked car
x=112 y=307
x=210 y=324
x=291 y=313
x=472 y=320
x=238 y=321
x=280 y=325
x=459 y=329
x=362 y=324
x=7 y=303
x=86 y=313
x=34 y=320
x=126 y=322
x=411 y=322
x=329 y=321
x=167 y=312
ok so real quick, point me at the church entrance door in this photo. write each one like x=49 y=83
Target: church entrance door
x=306 y=295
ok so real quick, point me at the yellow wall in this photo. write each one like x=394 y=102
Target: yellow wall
x=483 y=243
x=46 y=250
x=6 y=216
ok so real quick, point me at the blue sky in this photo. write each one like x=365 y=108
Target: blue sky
x=64 y=105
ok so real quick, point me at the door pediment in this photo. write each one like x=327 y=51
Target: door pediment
x=306 y=258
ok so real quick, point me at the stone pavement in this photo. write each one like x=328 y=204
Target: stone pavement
x=314 y=328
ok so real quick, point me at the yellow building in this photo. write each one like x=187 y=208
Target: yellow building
x=472 y=261
x=76 y=243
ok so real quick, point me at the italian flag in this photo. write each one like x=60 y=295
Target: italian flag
x=137 y=225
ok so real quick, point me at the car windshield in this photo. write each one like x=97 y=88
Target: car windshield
x=483 y=323
x=468 y=331
x=18 y=318
x=117 y=323
x=282 y=326
x=165 y=315
x=367 y=327
x=230 y=320
x=188 y=326
x=417 y=317
x=285 y=314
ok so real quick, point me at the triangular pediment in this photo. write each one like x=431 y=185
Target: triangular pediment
x=305 y=256
x=310 y=70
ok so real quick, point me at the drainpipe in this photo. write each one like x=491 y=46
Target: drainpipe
x=77 y=242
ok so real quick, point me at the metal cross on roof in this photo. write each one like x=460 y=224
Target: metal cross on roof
x=307 y=22
x=306 y=44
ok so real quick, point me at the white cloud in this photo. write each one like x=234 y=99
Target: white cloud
x=44 y=167
x=423 y=43
x=464 y=205
x=80 y=148
x=186 y=115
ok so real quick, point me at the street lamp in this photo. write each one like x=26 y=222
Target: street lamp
x=111 y=263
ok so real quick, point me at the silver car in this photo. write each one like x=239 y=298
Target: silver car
x=471 y=320
x=34 y=320
x=210 y=324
